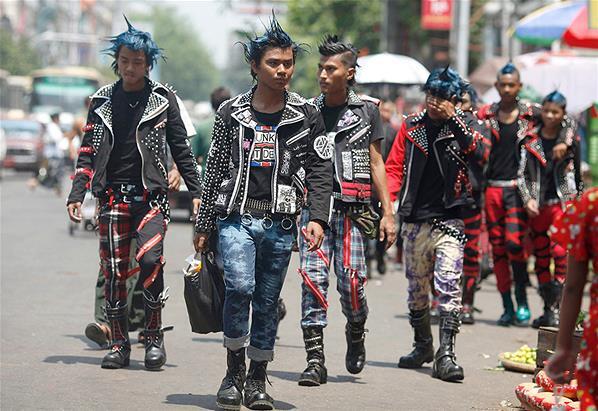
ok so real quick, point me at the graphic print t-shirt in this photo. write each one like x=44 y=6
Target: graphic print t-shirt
x=264 y=156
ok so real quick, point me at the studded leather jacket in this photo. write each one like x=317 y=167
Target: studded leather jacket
x=164 y=122
x=350 y=138
x=302 y=164
x=455 y=144
x=566 y=172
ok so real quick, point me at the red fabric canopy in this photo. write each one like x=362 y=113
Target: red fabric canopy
x=578 y=34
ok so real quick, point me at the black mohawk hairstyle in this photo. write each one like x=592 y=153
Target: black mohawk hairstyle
x=331 y=45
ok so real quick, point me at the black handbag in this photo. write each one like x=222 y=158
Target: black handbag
x=204 y=295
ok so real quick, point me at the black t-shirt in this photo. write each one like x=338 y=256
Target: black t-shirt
x=331 y=115
x=263 y=158
x=502 y=164
x=547 y=183
x=429 y=199
x=124 y=165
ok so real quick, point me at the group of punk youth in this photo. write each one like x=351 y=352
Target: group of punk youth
x=281 y=168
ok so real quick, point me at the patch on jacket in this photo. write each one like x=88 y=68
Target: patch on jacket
x=286 y=200
x=324 y=146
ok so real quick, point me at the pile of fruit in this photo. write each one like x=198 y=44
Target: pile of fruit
x=524 y=355
x=539 y=396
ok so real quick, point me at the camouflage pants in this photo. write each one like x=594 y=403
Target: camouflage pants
x=432 y=254
x=255 y=260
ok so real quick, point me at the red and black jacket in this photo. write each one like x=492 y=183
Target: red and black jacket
x=567 y=171
x=456 y=143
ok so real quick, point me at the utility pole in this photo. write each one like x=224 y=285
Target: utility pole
x=464 y=10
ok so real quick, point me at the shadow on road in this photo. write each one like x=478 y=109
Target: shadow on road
x=87 y=341
x=208 y=401
x=77 y=359
x=294 y=376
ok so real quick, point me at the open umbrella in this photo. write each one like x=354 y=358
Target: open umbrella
x=566 y=21
x=386 y=68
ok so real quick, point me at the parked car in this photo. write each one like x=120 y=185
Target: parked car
x=24 y=144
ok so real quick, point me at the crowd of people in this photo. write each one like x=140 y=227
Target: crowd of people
x=327 y=172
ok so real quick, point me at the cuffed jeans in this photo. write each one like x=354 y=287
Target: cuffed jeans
x=256 y=257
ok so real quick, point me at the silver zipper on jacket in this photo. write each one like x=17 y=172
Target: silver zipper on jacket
x=274 y=179
x=359 y=134
x=408 y=177
x=231 y=203
x=298 y=136
x=156 y=114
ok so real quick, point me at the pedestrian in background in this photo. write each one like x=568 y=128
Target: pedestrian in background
x=546 y=183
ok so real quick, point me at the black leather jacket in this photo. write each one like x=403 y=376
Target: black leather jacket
x=301 y=164
x=350 y=139
x=567 y=171
x=160 y=124
x=456 y=143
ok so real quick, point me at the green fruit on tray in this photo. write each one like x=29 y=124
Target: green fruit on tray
x=524 y=355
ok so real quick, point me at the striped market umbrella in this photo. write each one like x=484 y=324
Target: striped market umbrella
x=566 y=21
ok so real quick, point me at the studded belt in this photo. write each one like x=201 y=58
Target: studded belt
x=448 y=230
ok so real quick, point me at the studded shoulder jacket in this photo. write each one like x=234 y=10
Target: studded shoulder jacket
x=566 y=172
x=350 y=143
x=457 y=143
x=301 y=164
x=164 y=122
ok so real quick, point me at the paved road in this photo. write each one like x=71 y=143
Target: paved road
x=47 y=289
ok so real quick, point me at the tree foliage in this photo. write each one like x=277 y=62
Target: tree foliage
x=308 y=21
x=16 y=55
x=189 y=67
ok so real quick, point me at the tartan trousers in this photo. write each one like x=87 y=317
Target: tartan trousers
x=344 y=246
x=119 y=224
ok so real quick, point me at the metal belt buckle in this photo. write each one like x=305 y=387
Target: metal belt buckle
x=246 y=219
x=126 y=199
x=267 y=222
x=286 y=223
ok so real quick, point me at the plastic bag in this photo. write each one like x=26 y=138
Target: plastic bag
x=204 y=293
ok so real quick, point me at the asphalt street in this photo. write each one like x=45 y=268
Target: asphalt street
x=47 y=293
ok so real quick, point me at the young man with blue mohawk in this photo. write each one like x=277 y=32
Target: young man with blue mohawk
x=427 y=168
x=122 y=160
x=263 y=166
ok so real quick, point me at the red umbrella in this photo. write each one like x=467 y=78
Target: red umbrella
x=578 y=34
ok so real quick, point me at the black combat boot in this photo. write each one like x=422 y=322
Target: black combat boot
x=230 y=393
x=423 y=350
x=355 y=357
x=469 y=286
x=117 y=316
x=155 y=354
x=445 y=365
x=551 y=294
x=316 y=372
x=255 y=394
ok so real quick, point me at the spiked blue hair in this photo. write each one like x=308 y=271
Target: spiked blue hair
x=135 y=40
x=508 y=68
x=274 y=36
x=557 y=98
x=444 y=83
